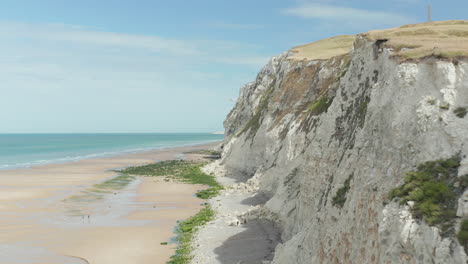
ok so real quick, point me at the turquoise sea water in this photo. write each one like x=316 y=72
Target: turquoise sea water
x=25 y=150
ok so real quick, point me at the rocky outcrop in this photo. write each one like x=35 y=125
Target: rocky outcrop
x=326 y=140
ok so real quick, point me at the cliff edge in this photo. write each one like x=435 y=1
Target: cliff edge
x=357 y=146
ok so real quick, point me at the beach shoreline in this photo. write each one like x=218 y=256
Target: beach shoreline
x=55 y=212
x=104 y=154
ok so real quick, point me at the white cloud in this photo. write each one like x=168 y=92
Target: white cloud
x=82 y=36
x=50 y=73
x=234 y=26
x=346 y=14
x=78 y=36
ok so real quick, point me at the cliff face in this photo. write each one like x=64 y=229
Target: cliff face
x=328 y=139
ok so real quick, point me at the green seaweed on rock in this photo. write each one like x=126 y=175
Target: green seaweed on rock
x=186 y=232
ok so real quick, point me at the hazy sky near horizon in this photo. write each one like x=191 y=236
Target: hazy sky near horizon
x=161 y=66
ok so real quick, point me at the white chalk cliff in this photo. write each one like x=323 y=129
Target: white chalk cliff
x=307 y=127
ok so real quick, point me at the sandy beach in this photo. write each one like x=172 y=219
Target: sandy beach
x=52 y=214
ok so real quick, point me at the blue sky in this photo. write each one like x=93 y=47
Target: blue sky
x=161 y=66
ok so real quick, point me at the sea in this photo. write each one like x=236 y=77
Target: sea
x=26 y=150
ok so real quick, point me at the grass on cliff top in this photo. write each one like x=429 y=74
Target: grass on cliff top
x=446 y=39
x=182 y=170
x=186 y=232
x=434 y=188
x=324 y=49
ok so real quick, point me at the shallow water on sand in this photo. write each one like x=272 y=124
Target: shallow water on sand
x=82 y=212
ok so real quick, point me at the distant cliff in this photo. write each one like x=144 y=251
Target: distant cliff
x=338 y=134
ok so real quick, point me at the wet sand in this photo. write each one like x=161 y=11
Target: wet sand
x=51 y=213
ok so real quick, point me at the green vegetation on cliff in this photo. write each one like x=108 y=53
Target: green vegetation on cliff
x=254 y=123
x=460 y=112
x=320 y=105
x=462 y=235
x=340 y=197
x=434 y=188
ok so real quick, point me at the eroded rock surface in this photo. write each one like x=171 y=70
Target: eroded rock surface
x=303 y=128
